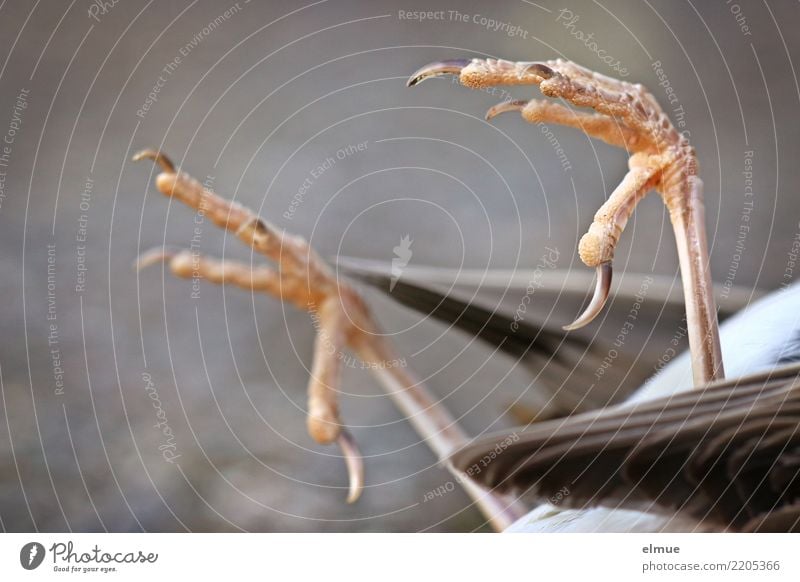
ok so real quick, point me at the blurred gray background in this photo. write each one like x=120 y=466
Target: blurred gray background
x=261 y=96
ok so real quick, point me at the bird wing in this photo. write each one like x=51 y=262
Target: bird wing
x=570 y=285
x=728 y=454
x=522 y=314
x=564 y=364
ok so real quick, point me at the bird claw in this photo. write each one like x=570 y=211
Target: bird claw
x=303 y=279
x=505 y=107
x=626 y=116
x=156 y=156
x=478 y=73
x=154 y=257
x=355 y=464
x=450 y=67
x=601 y=292
x=540 y=70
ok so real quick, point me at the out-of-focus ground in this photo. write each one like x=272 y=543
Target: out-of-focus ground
x=253 y=98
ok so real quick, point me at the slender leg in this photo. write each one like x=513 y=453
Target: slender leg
x=687 y=214
x=439 y=429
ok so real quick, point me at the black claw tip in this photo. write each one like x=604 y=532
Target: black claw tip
x=540 y=69
x=504 y=107
x=451 y=67
x=159 y=158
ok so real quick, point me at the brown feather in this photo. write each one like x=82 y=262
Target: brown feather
x=728 y=454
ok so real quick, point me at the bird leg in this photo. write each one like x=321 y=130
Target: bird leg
x=302 y=279
x=342 y=321
x=627 y=116
x=687 y=214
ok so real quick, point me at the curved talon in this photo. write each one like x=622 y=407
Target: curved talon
x=154 y=256
x=355 y=464
x=159 y=158
x=540 y=69
x=505 y=107
x=450 y=67
x=601 y=292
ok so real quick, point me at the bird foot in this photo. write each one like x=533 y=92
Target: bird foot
x=625 y=115
x=302 y=278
